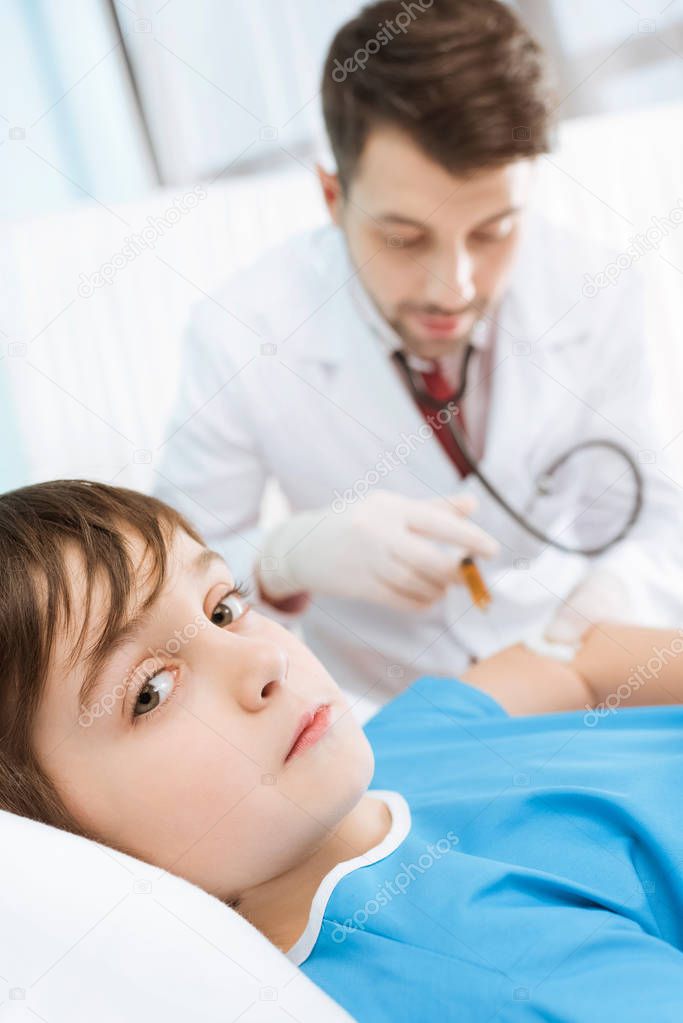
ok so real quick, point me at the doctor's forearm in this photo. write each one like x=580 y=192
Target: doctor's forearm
x=525 y=682
x=615 y=666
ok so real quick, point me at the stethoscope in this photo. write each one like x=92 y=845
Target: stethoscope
x=544 y=480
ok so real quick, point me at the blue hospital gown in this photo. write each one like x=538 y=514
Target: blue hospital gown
x=540 y=877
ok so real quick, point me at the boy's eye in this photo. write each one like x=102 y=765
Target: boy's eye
x=159 y=687
x=229 y=610
x=153 y=692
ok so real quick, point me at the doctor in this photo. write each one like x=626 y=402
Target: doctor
x=290 y=373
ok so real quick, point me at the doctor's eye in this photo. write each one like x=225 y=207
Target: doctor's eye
x=402 y=241
x=498 y=233
x=231 y=608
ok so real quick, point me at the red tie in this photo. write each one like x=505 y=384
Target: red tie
x=438 y=387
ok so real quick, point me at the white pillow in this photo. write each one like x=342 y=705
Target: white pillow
x=91 y=934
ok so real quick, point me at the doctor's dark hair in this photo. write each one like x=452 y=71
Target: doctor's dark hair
x=463 y=78
x=39 y=525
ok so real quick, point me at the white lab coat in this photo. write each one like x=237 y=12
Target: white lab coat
x=283 y=378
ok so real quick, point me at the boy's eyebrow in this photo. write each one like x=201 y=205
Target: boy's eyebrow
x=131 y=628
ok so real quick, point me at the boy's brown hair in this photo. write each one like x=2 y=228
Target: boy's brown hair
x=37 y=525
x=463 y=78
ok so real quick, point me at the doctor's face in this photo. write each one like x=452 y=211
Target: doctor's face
x=433 y=251
x=214 y=744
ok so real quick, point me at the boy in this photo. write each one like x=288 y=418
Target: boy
x=515 y=862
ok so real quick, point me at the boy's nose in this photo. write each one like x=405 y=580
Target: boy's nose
x=263 y=669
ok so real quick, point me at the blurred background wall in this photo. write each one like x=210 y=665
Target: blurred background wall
x=101 y=100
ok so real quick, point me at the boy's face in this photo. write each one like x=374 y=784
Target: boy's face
x=191 y=771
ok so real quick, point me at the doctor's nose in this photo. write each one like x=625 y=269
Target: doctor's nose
x=453 y=282
x=260 y=669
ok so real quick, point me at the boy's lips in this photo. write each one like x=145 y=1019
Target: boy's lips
x=312 y=725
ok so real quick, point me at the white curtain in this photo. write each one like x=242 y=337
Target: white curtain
x=228 y=83
x=68 y=127
x=610 y=55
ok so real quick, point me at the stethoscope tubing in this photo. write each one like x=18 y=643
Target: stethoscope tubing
x=426 y=399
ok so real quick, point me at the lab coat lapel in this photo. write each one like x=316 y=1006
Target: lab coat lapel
x=529 y=325
x=374 y=408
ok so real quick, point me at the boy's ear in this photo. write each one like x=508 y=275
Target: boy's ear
x=332 y=192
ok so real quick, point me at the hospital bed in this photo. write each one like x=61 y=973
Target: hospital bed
x=88 y=370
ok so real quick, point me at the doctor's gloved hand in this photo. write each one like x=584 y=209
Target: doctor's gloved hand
x=387 y=549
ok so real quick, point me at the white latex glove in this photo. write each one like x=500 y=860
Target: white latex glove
x=385 y=549
x=598 y=598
